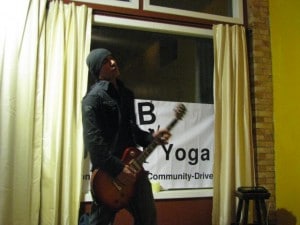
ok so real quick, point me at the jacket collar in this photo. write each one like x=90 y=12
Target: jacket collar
x=106 y=85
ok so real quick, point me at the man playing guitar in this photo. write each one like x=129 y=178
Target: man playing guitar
x=109 y=128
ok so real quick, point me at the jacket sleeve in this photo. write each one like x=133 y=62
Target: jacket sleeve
x=95 y=141
x=142 y=137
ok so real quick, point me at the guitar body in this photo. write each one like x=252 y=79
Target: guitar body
x=109 y=190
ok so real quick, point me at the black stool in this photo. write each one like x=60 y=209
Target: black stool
x=258 y=194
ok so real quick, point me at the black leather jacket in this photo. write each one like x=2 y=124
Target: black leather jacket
x=109 y=125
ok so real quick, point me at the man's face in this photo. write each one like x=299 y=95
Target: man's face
x=109 y=70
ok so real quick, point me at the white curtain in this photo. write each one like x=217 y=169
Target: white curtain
x=43 y=78
x=21 y=107
x=233 y=160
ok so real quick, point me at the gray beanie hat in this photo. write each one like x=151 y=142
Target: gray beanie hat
x=95 y=59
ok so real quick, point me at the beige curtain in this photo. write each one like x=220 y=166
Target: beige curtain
x=233 y=159
x=43 y=78
x=67 y=45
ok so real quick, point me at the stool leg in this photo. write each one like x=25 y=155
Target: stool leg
x=264 y=211
x=258 y=211
x=239 y=212
x=246 y=208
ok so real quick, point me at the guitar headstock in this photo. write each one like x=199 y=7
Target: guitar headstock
x=180 y=111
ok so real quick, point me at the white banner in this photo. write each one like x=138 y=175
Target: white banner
x=187 y=160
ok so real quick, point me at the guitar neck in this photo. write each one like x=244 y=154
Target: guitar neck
x=150 y=148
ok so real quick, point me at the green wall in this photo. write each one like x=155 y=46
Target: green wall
x=285 y=44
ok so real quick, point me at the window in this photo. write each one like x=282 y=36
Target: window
x=215 y=7
x=160 y=62
x=190 y=11
x=216 y=10
x=160 y=66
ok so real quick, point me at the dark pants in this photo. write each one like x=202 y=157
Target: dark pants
x=141 y=207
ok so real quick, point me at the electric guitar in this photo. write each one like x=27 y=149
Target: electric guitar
x=111 y=191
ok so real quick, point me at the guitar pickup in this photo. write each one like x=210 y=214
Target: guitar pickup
x=135 y=166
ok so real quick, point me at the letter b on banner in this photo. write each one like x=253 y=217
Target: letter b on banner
x=146 y=113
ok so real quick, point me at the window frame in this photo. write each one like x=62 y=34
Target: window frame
x=132 y=4
x=144 y=11
x=129 y=23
